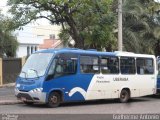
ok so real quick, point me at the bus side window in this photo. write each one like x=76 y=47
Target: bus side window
x=104 y=66
x=51 y=70
x=145 y=66
x=159 y=67
x=66 y=67
x=89 y=64
x=127 y=65
x=63 y=64
x=109 y=65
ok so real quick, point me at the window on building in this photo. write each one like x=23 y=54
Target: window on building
x=35 y=48
x=89 y=64
x=109 y=65
x=145 y=66
x=31 y=49
x=127 y=65
x=28 y=50
x=52 y=36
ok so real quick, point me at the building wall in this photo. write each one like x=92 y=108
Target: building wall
x=25 y=50
x=22 y=51
x=44 y=31
x=60 y=46
x=33 y=36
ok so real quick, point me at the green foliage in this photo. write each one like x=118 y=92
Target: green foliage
x=8 y=42
x=96 y=25
x=139 y=25
x=64 y=36
x=91 y=23
x=88 y=22
x=94 y=22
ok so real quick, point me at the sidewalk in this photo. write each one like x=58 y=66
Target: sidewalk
x=8 y=85
x=7 y=95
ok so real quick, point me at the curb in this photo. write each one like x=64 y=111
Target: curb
x=10 y=102
x=7 y=85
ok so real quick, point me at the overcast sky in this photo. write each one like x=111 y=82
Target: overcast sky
x=4 y=9
x=3 y=6
x=26 y=35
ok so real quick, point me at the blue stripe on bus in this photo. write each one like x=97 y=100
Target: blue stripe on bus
x=66 y=83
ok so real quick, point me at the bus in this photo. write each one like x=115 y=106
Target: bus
x=158 y=76
x=54 y=76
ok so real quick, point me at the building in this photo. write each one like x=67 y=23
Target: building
x=25 y=49
x=51 y=43
x=33 y=37
x=47 y=31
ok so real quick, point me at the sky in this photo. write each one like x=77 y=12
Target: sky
x=26 y=35
x=5 y=8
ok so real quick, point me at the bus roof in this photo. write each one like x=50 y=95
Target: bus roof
x=93 y=52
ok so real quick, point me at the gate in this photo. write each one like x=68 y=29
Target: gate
x=10 y=69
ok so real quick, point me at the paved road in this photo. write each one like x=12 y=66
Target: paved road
x=141 y=105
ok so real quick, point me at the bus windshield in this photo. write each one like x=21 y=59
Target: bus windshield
x=36 y=65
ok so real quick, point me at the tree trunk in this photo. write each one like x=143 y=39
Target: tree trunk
x=108 y=48
x=75 y=33
x=157 y=48
x=1 y=52
x=79 y=44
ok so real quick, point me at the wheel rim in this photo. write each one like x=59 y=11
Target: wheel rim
x=54 y=99
x=123 y=96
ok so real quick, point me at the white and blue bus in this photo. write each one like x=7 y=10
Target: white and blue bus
x=54 y=76
x=158 y=76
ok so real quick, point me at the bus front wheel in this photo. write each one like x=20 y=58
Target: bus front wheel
x=124 y=96
x=54 y=100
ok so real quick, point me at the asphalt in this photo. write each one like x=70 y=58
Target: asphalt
x=7 y=96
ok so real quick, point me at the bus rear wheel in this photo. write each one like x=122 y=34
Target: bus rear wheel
x=54 y=100
x=124 y=96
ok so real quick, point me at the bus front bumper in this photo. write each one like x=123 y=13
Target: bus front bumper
x=31 y=96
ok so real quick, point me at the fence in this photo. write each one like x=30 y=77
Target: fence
x=9 y=69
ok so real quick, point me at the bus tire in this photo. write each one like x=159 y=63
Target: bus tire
x=54 y=100
x=124 y=96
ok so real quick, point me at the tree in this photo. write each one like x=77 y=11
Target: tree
x=8 y=42
x=95 y=22
x=87 y=22
x=140 y=25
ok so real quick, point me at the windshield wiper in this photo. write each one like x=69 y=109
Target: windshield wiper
x=35 y=72
x=25 y=74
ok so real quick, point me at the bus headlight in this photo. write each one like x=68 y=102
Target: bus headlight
x=37 y=90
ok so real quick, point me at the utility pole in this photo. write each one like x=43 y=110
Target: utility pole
x=120 y=41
